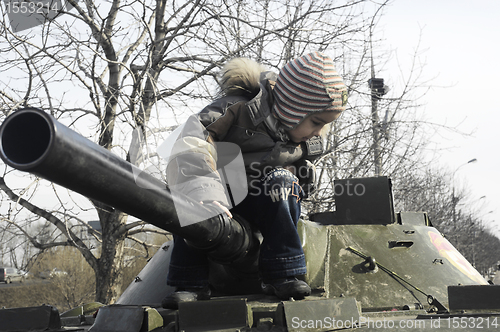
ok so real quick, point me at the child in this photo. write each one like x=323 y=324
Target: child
x=276 y=121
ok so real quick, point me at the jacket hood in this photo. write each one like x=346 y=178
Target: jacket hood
x=240 y=77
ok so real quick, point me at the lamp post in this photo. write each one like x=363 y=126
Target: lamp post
x=378 y=89
x=453 y=198
x=480 y=226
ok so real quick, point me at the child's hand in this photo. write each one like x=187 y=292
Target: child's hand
x=307 y=177
x=221 y=207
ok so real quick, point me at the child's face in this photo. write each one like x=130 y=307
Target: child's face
x=311 y=126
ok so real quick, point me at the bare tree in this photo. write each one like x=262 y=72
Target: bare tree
x=126 y=73
x=117 y=71
x=381 y=133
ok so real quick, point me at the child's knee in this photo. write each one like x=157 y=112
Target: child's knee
x=280 y=176
x=280 y=184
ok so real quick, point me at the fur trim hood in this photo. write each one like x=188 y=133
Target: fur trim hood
x=240 y=77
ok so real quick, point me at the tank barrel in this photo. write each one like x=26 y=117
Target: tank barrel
x=31 y=140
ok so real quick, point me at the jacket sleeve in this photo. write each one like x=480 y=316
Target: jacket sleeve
x=192 y=165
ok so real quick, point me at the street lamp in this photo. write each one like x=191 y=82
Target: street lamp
x=474 y=160
x=453 y=198
x=378 y=89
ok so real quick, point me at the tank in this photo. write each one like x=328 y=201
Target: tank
x=370 y=268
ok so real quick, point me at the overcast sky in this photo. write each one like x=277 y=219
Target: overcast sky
x=461 y=43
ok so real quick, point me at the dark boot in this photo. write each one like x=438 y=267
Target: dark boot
x=286 y=288
x=185 y=294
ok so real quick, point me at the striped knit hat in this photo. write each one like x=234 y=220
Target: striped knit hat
x=305 y=85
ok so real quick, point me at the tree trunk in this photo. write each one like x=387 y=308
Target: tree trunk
x=109 y=273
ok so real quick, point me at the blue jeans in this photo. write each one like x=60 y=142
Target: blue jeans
x=273 y=206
